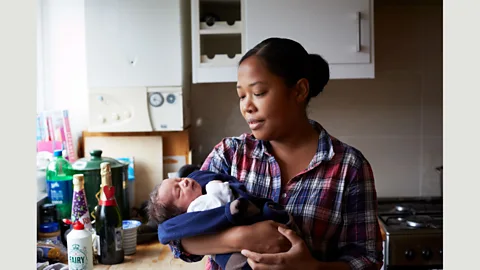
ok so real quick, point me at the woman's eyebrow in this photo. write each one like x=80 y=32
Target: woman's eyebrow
x=252 y=84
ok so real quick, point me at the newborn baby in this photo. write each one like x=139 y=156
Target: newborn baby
x=207 y=202
x=175 y=196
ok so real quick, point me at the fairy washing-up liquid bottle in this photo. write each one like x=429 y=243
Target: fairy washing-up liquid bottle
x=79 y=247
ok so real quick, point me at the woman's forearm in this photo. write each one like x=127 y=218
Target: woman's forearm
x=222 y=242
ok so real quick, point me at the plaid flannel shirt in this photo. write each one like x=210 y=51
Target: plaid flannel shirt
x=333 y=201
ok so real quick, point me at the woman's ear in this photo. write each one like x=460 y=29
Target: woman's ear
x=301 y=90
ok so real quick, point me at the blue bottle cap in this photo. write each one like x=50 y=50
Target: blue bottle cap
x=49 y=227
x=57 y=153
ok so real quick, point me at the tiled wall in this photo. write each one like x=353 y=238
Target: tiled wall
x=394 y=119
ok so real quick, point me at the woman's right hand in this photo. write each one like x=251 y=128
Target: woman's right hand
x=264 y=237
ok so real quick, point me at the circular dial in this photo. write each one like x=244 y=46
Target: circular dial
x=409 y=254
x=156 y=99
x=427 y=254
x=171 y=98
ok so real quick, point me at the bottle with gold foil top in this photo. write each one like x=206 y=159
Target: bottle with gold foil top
x=79 y=203
x=108 y=221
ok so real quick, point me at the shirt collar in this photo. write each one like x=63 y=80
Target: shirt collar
x=324 y=149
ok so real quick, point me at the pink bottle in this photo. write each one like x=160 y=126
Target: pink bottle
x=79 y=203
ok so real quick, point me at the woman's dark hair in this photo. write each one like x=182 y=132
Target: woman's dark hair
x=159 y=212
x=289 y=60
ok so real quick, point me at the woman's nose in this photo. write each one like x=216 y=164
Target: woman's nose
x=248 y=105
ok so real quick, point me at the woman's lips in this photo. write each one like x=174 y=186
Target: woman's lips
x=255 y=124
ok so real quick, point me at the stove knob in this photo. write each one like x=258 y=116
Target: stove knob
x=427 y=254
x=409 y=254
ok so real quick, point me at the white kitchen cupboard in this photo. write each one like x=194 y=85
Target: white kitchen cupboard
x=217 y=45
x=133 y=43
x=339 y=30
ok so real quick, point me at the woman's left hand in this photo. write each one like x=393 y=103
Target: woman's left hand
x=298 y=257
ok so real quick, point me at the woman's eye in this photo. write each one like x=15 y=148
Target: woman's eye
x=242 y=97
x=260 y=94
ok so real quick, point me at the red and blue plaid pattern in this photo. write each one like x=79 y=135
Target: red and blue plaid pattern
x=333 y=201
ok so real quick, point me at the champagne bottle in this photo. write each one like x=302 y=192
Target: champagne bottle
x=108 y=221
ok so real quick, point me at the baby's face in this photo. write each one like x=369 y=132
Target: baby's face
x=179 y=192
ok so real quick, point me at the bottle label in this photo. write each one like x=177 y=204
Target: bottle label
x=80 y=209
x=107 y=196
x=60 y=192
x=85 y=220
x=77 y=257
x=96 y=244
x=118 y=238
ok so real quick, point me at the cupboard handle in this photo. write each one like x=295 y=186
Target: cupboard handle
x=359 y=32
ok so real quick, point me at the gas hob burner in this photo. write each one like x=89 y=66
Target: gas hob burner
x=424 y=221
x=395 y=220
x=418 y=221
x=403 y=209
x=433 y=221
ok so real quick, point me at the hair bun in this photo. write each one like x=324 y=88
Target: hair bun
x=319 y=74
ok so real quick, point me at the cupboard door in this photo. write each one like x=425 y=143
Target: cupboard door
x=131 y=43
x=217 y=45
x=330 y=28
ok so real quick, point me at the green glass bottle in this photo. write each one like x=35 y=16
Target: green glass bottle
x=59 y=184
x=108 y=221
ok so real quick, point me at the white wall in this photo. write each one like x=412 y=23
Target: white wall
x=64 y=66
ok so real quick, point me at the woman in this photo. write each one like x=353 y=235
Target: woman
x=327 y=185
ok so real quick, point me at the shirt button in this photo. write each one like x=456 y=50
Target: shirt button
x=284 y=195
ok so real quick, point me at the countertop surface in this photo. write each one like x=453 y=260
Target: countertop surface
x=153 y=256
x=157 y=256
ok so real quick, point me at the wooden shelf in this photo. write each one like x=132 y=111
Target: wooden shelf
x=176 y=143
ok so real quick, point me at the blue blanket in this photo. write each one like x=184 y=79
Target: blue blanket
x=244 y=210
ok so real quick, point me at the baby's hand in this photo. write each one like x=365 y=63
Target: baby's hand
x=243 y=208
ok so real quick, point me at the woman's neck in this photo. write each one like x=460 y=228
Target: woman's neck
x=294 y=153
x=305 y=136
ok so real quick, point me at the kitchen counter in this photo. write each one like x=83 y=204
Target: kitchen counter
x=158 y=256
x=153 y=256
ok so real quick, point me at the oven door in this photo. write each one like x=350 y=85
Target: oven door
x=415 y=251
